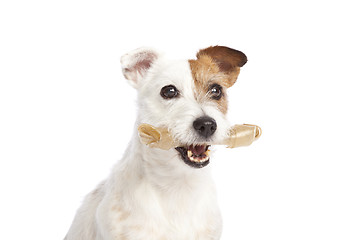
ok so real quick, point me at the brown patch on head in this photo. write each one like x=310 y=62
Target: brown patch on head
x=216 y=65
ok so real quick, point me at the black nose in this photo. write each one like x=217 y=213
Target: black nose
x=205 y=126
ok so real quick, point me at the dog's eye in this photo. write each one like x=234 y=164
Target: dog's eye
x=215 y=91
x=169 y=91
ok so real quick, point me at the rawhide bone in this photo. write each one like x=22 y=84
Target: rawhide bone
x=239 y=135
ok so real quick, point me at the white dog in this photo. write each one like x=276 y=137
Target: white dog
x=155 y=194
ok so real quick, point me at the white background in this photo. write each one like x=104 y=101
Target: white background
x=67 y=112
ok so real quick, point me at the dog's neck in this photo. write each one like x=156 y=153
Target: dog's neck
x=165 y=170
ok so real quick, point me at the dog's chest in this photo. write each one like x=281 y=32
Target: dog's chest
x=191 y=216
x=176 y=215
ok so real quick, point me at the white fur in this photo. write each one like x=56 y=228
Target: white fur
x=151 y=193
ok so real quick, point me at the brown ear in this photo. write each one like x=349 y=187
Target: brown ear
x=226 y=58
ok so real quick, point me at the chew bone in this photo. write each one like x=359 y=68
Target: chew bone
x=239 y=135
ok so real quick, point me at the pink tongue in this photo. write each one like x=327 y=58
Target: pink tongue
x=197 y=150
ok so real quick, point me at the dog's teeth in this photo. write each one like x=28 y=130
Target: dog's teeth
x=193 y=159
x=199 y=160
x=205 y=159
x=207 y=153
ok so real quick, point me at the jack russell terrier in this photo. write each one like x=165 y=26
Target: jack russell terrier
x=156 y=194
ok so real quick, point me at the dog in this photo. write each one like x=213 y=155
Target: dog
x=156 y=194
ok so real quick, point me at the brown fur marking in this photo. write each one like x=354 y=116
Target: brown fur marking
x=205 y=73
x=226 y=58
x=219 y=65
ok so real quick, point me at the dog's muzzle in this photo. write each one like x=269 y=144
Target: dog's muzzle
x=197 y=155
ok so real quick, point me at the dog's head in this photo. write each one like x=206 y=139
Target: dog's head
x=186 y=96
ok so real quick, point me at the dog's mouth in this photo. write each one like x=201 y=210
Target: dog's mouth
x=196 y=156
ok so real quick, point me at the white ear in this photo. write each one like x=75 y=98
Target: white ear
x=136 y=63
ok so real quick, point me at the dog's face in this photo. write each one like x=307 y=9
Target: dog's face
x=186 y=96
